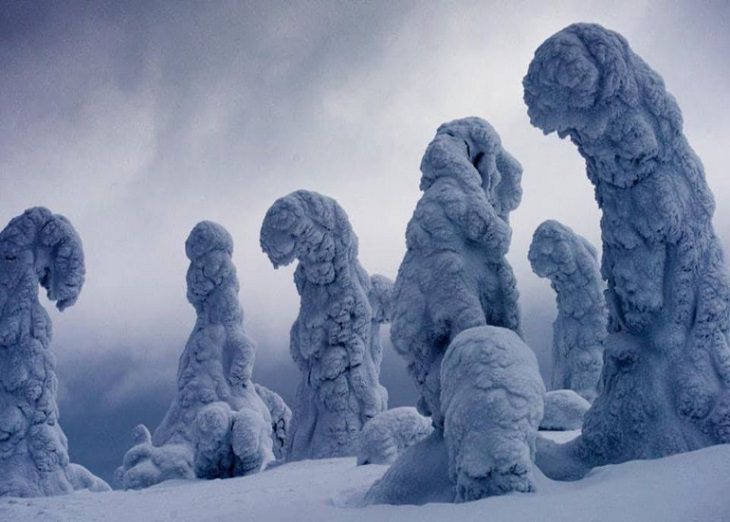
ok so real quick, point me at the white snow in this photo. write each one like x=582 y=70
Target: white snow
x=689 y=487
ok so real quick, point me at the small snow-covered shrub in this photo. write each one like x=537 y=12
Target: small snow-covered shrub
x=564 y=410
x=280 y=419
x=492 y=399
x=145 y=464
x=388 y=434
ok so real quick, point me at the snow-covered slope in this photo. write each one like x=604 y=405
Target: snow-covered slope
x=690 y=487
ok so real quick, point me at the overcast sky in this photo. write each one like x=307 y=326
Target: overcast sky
x=136 y=120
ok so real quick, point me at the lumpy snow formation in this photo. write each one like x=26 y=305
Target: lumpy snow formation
x=333 y=340
x=564 y=410
x=217 y=425
x=388 y=434
x=579 y=331
x=492 y=399
x=454 y=278
x=37 y=247
x=666 y=375
x=455 y=275
x=146 y=464
x=280 y=419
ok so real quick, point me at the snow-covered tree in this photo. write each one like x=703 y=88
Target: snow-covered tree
x=579 y=331
x=479 y=383
x=455 y=275
x=217 y=423
x=37 y=247
x=666 y=374
x=332 y=338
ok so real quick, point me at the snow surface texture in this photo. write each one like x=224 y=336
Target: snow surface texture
x=666 y=375
x=325 y=490
x=386 y=435
x=332 y=339
x=579 y=331
x=455 y=275
x=36 y=247
x=217 y=425
x=564 y=410
x=492 y=400
x=280 y=419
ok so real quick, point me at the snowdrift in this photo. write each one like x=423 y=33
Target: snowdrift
x=686 y=487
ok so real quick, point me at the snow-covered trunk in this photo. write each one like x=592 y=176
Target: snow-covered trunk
x=666 y=375
x=36 y=247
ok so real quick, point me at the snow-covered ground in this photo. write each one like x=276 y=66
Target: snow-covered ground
x=691 y=487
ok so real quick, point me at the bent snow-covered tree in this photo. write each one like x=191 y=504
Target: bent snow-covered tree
x=666 y=375
x=579 y=331
x=455 y=275
x=332 y=339
x=217 y=425
x=37 y=247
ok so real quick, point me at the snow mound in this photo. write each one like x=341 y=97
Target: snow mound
x=386 y=435
x=564 y=410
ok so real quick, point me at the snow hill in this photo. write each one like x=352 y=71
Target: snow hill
x=689 y=487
